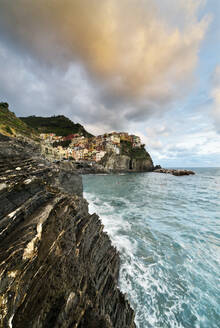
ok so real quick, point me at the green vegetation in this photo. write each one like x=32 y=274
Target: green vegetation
x=126 y=147
x=60 y=125
x=139 y=153
x=64 y=144
x=10 y=124
x=8 y=129
x=33 y=125
x=134 y=153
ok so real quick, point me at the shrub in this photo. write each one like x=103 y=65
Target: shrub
x=8 y=129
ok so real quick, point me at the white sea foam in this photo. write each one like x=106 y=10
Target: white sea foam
x=167 y=235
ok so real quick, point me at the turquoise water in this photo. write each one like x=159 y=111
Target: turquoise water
x=167 y=230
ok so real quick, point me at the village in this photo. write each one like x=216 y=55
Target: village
x=80 y=148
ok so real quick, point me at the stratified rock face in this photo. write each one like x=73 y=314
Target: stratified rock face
x=141 y=165
x=124 y=163
x=117 y=163
x=57 y=266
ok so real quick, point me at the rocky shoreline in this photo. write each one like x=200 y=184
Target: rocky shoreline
x=85 y=168
x=176 y=172
x=57 y=266
x=112 y=163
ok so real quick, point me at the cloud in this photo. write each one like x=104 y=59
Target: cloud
x=137 y=55
x=174 y=142
x=31 y=89
x=215 y=93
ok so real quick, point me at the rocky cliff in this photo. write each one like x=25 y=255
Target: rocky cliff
x=130 y=159
x=57 y=266
x=128 y=163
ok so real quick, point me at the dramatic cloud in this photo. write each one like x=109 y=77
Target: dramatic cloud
x=136 y=57
x=216 y=98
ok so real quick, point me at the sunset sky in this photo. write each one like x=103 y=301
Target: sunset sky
x=140 y=66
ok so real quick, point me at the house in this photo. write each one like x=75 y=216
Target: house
x=100 y=155
x=115 y=139
x=136 y=141
x=124 y=136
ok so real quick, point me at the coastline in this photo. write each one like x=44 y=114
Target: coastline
x=159 y=223
x=68 y=265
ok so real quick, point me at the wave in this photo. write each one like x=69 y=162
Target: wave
x=166 y=231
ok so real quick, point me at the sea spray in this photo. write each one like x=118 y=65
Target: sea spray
x=167 y=231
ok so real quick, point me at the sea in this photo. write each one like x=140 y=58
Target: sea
x=167 y=230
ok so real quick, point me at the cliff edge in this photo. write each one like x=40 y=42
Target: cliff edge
x=57 y=266
x=129 y=160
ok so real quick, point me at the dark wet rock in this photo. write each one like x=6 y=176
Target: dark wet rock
x=157 y=167
x=89 y=168
x=57 y=266
x=174 y=172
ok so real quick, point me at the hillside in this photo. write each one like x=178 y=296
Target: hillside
x=133 y=153
x=11 y=125
x=60 y=125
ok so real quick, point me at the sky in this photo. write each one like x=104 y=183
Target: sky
x=148 y=67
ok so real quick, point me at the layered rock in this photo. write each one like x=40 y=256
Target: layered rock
x=141 y=165
x=57 y=266
x=117 y=163
x=126 y=163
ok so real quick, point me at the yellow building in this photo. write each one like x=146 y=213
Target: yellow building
x=115 y=138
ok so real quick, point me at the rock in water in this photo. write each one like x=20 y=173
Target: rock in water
x=179 y=172
x=57 y=266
